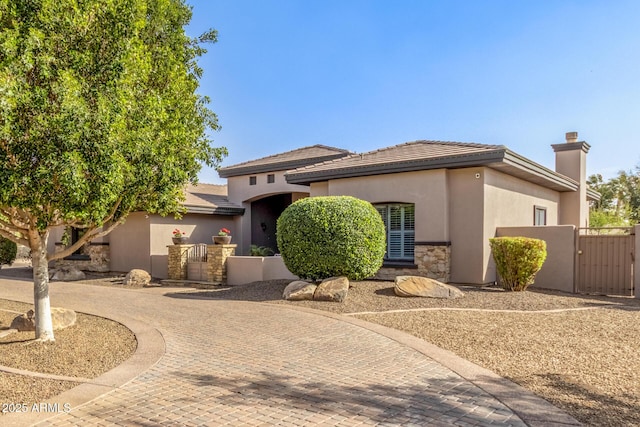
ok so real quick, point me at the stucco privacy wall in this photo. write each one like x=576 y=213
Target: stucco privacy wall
x=482 y=199
x=241 y=192
x=559 y=268
x=510 y=202
x=130 y=244
x=247 y=269
x=141 y=242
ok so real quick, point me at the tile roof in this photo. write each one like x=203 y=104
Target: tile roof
x=284 y=161
x=425 y=155
x=400 y=154
x=210 y=199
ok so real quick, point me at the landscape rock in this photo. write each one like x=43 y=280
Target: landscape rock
x=60 y=317
x=299 y=291
x=332 y=289
x=415 y=286
x=68 y=274
x=137 y=277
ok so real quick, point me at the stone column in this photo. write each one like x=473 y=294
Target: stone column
x=217 y=262
x=178 y=261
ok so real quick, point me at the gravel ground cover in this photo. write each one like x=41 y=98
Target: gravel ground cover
x=581 y=353
x=86 y=350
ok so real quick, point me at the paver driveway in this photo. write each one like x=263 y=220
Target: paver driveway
x=247 y=363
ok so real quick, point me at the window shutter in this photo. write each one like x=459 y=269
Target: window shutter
x=399 y=222
x=395 y=244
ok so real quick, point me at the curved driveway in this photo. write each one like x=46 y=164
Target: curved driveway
x=211 y=362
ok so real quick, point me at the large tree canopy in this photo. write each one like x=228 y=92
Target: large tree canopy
x=99 y=117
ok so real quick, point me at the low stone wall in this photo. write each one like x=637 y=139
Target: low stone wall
x=430 y=260
x=97 y=257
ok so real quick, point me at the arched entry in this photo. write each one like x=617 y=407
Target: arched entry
x=264 y=214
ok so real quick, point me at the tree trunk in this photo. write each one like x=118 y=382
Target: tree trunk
x=42 y=305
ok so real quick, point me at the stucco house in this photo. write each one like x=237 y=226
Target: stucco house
x=141 y=242
x=440 y=201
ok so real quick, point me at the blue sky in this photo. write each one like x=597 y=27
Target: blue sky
x=362 y=75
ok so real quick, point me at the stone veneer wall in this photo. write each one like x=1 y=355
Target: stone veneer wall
x=177 y=261
x=216 y=261
x=99 y=258
x=431 y=260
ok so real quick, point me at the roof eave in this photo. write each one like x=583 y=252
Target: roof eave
x=593 y=195
x=451 y=162
x=232 y=171
x=553 y=180
x=493 y=158
x=218 y=210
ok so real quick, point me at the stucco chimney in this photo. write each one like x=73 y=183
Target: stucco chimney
x=571 y=161
x=571 y=137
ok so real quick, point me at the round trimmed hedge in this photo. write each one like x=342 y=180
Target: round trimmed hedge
x=321 y=237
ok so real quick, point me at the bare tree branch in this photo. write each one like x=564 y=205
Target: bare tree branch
x=12 y=233
x=92 y=233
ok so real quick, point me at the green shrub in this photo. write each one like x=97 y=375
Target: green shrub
x=518 y=259
x=8 y=251
x=320 y=237
x=260 y=251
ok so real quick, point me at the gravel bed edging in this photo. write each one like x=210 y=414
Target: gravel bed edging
x=532 y=409
x=151 y=347
x=41 y=375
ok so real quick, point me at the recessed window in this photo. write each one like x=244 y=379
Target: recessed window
x=271 y=178
x=252 y=180
x=539 y=215
x=400 y=223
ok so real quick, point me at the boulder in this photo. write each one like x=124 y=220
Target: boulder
x=299 y=291
x=332 y=289
x=415 y=286
x=24 y=322
x=68 y=274
x=60 y=317
x=137 y=277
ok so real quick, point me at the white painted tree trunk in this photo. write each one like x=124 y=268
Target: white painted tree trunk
x=42 y=305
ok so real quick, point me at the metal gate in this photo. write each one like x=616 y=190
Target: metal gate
x=197 y=262
x=605 y=261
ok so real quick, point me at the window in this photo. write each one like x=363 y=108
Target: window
x=271 y=178
x=252 y=180
x=399 y=221
x=539 y=215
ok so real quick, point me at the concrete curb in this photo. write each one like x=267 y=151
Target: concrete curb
x=151 y=347
x=532 y=409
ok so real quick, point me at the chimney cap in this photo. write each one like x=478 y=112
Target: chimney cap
x=571 y=137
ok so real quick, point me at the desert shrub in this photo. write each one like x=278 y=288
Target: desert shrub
x=8 y=251
x=320 y=237
x=518 y=259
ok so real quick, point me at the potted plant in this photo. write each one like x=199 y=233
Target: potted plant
x=179 y=237
x=223 y=237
